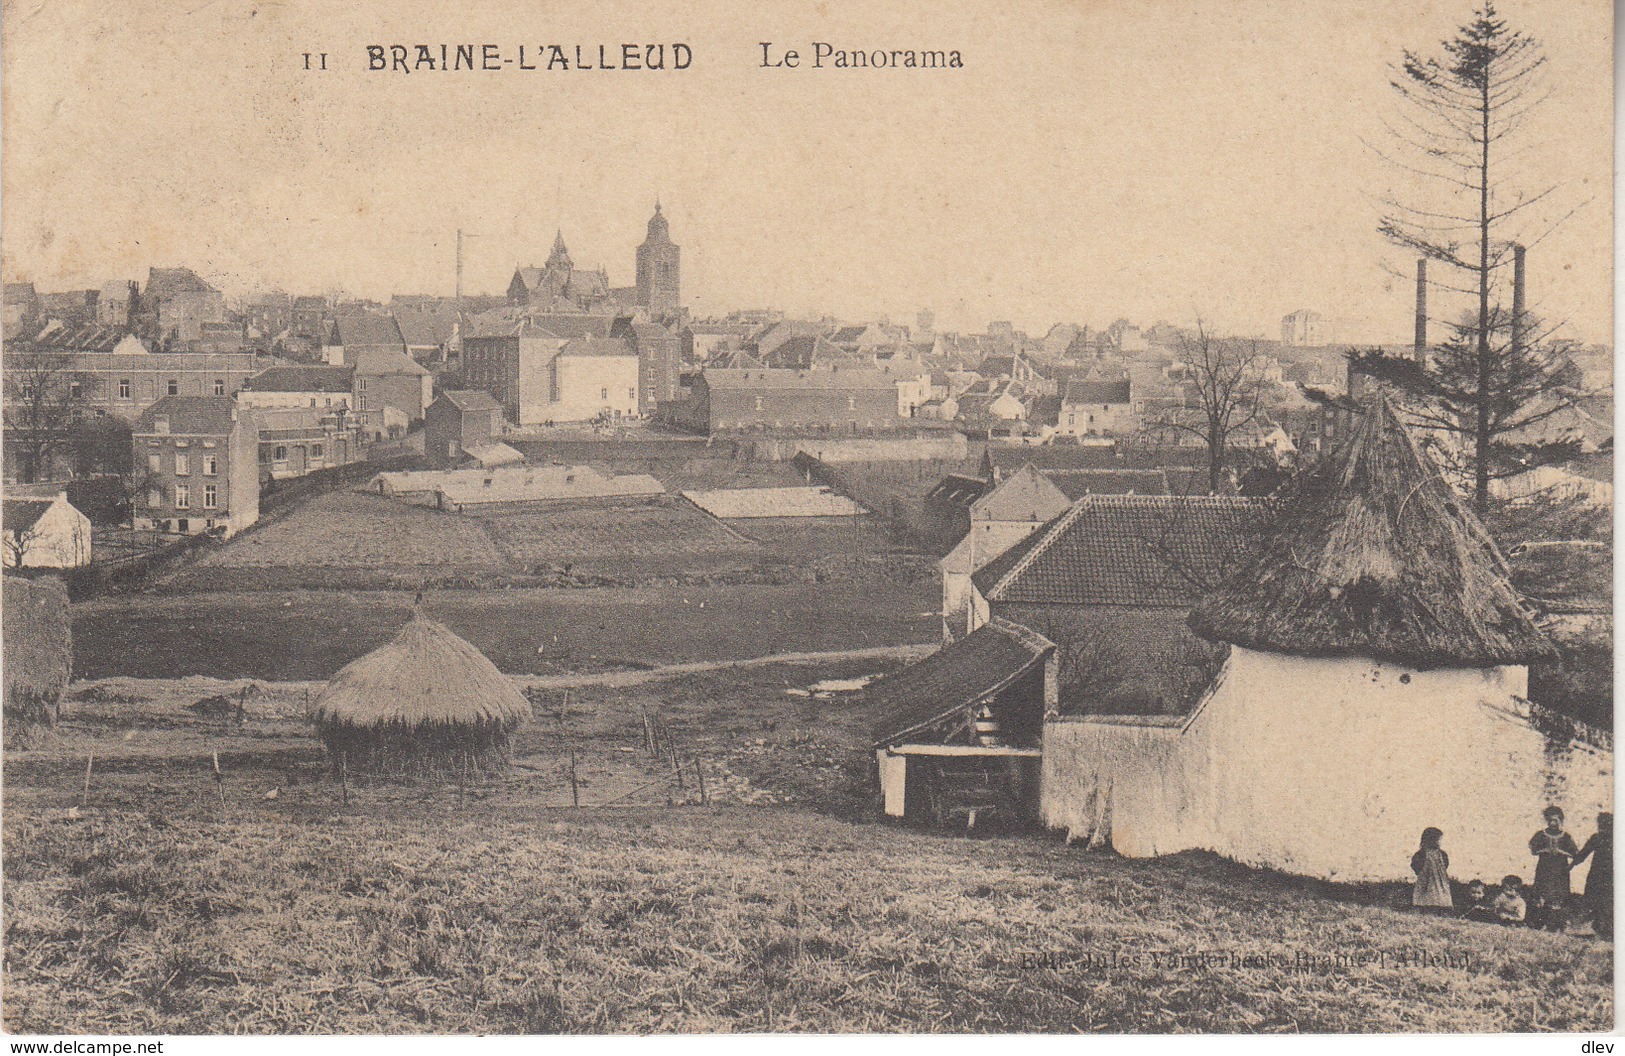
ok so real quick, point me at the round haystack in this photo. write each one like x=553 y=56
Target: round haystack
x=426 y=703
x=38 y=658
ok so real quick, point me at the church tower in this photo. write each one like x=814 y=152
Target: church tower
x=658 y=288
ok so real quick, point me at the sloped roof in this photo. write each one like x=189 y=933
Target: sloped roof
x=87 y=337
x=954 y=679
x=425 y=327
x=375 y=361
x=471 y=400
x=302 y=379
x=166 y=282
x=1076 y=483
x=1374 y=555
x=19 y=515
x=1079 y=390
x=770 y=378
x=191 y=415
x=1025 y=495
x=493 y=454
x=957 y=489
x=1138 y=550
x=596 y=346
x=742 y=503
x=369 y=330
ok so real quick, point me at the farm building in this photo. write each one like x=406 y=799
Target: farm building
x=743 y=503
x=459 y=419
x=492 y=455
x=458 y=490
x=959 y=731
x=996 y=521
x=1374 y=687
x=39 y=654
x=1112 y=581
x=426 y=702
x=43 y=531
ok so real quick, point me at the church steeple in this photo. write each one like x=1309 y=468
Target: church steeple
x=560 y=255
x=659 y=285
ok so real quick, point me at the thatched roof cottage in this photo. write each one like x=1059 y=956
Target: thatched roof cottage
x=425 y=703
x=1375 y=686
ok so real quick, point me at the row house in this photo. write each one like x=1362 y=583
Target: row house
x=294 y=441
x=112 y=374
x=1097 y=408
x=200 y=461
x=823 y=400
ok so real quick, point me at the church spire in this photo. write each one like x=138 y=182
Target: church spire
x=659 y=233
x=560 y=254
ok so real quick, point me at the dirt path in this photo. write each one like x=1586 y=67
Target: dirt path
x=633 y=678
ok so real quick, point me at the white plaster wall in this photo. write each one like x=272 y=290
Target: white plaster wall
x=1330 y=768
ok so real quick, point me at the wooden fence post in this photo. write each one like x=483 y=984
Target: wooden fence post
x=344 y=778
x=84 y=795
x=699 y=779
x=575 y=791
x=219 y=780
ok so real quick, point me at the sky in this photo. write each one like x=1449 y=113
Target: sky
x=1158 y=160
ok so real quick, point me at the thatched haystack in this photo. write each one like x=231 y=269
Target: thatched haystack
x=426 y=703
x=38 y=655
x=1374 y=555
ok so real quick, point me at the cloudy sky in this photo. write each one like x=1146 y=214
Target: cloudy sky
x=1154 y=159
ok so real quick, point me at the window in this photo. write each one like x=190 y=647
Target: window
x=124 y=388
x=281 y=453
x=361 y=384
x=183 y=463
x=155 y=462
x=219 y=386
x=315 y=450
x=210 y=496
x=76 y=389
x=155 y=497
x=852 y=404
x=211 y=466
x=603 y=394
x=183 y=497
x=632 y=394
x=174 y=387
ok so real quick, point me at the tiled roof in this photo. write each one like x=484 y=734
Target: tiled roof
x=67 y=338
x=302 y=379
x=769 y=378
x=1157 y=551
x=571 y=324
x=376 y=361
x=424 y=327
x=957 y=489
x=773 y=502
x=190 y=415
x=953 y=679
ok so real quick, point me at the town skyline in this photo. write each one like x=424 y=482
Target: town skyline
x=1037 y=191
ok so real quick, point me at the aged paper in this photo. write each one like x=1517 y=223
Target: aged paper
x=802 y=517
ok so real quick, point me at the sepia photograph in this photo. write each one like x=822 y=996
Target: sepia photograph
x=691 y=518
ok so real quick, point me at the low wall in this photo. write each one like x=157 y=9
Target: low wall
x=1329 y=768
x=942 y=447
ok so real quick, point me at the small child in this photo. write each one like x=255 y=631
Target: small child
x=1554 y=851
x=1478 y=903
x=1432 y=868
x=1509 y=905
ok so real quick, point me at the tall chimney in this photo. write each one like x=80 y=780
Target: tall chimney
x=1517 y=299
x=1420 y=353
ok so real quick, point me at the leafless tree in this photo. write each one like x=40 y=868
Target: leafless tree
x=1225 y=393
x=1090 y=667
x=44 y=406
x=19 y=543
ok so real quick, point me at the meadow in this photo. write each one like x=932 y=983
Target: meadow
x=161 y=901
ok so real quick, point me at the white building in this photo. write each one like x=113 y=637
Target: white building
x=43 y=531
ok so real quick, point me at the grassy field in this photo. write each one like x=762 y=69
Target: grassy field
x=292 y=635
x=150 y=907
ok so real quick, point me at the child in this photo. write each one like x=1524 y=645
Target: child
x=1432 y=867
x=1599 y=892
x=1509 y=905
x=1478 y=903
x=1554 y=852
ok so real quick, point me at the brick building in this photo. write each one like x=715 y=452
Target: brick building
x=114 y=374
x=200 y=460
x=458 y=420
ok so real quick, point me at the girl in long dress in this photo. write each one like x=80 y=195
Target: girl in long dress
x=1554 y=851
x=1432 y=868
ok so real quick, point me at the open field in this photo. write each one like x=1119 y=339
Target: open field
x=360 y=541
x=151 y=908
x=292 y=635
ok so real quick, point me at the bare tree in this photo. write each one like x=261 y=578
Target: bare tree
x=1226 y=390
x=44 y=406
x=19 y=543
x=1454 y=138
x=1090 y=667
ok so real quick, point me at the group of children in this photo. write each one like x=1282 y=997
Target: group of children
x=1548 y=903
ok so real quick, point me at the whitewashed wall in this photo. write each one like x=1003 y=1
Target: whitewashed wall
x=1328 y=768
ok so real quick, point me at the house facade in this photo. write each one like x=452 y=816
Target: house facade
x=199 y=458
x=1097 y=408
x=42 y=531
x=118 y=377
x=828 y=400
x=458 y=420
